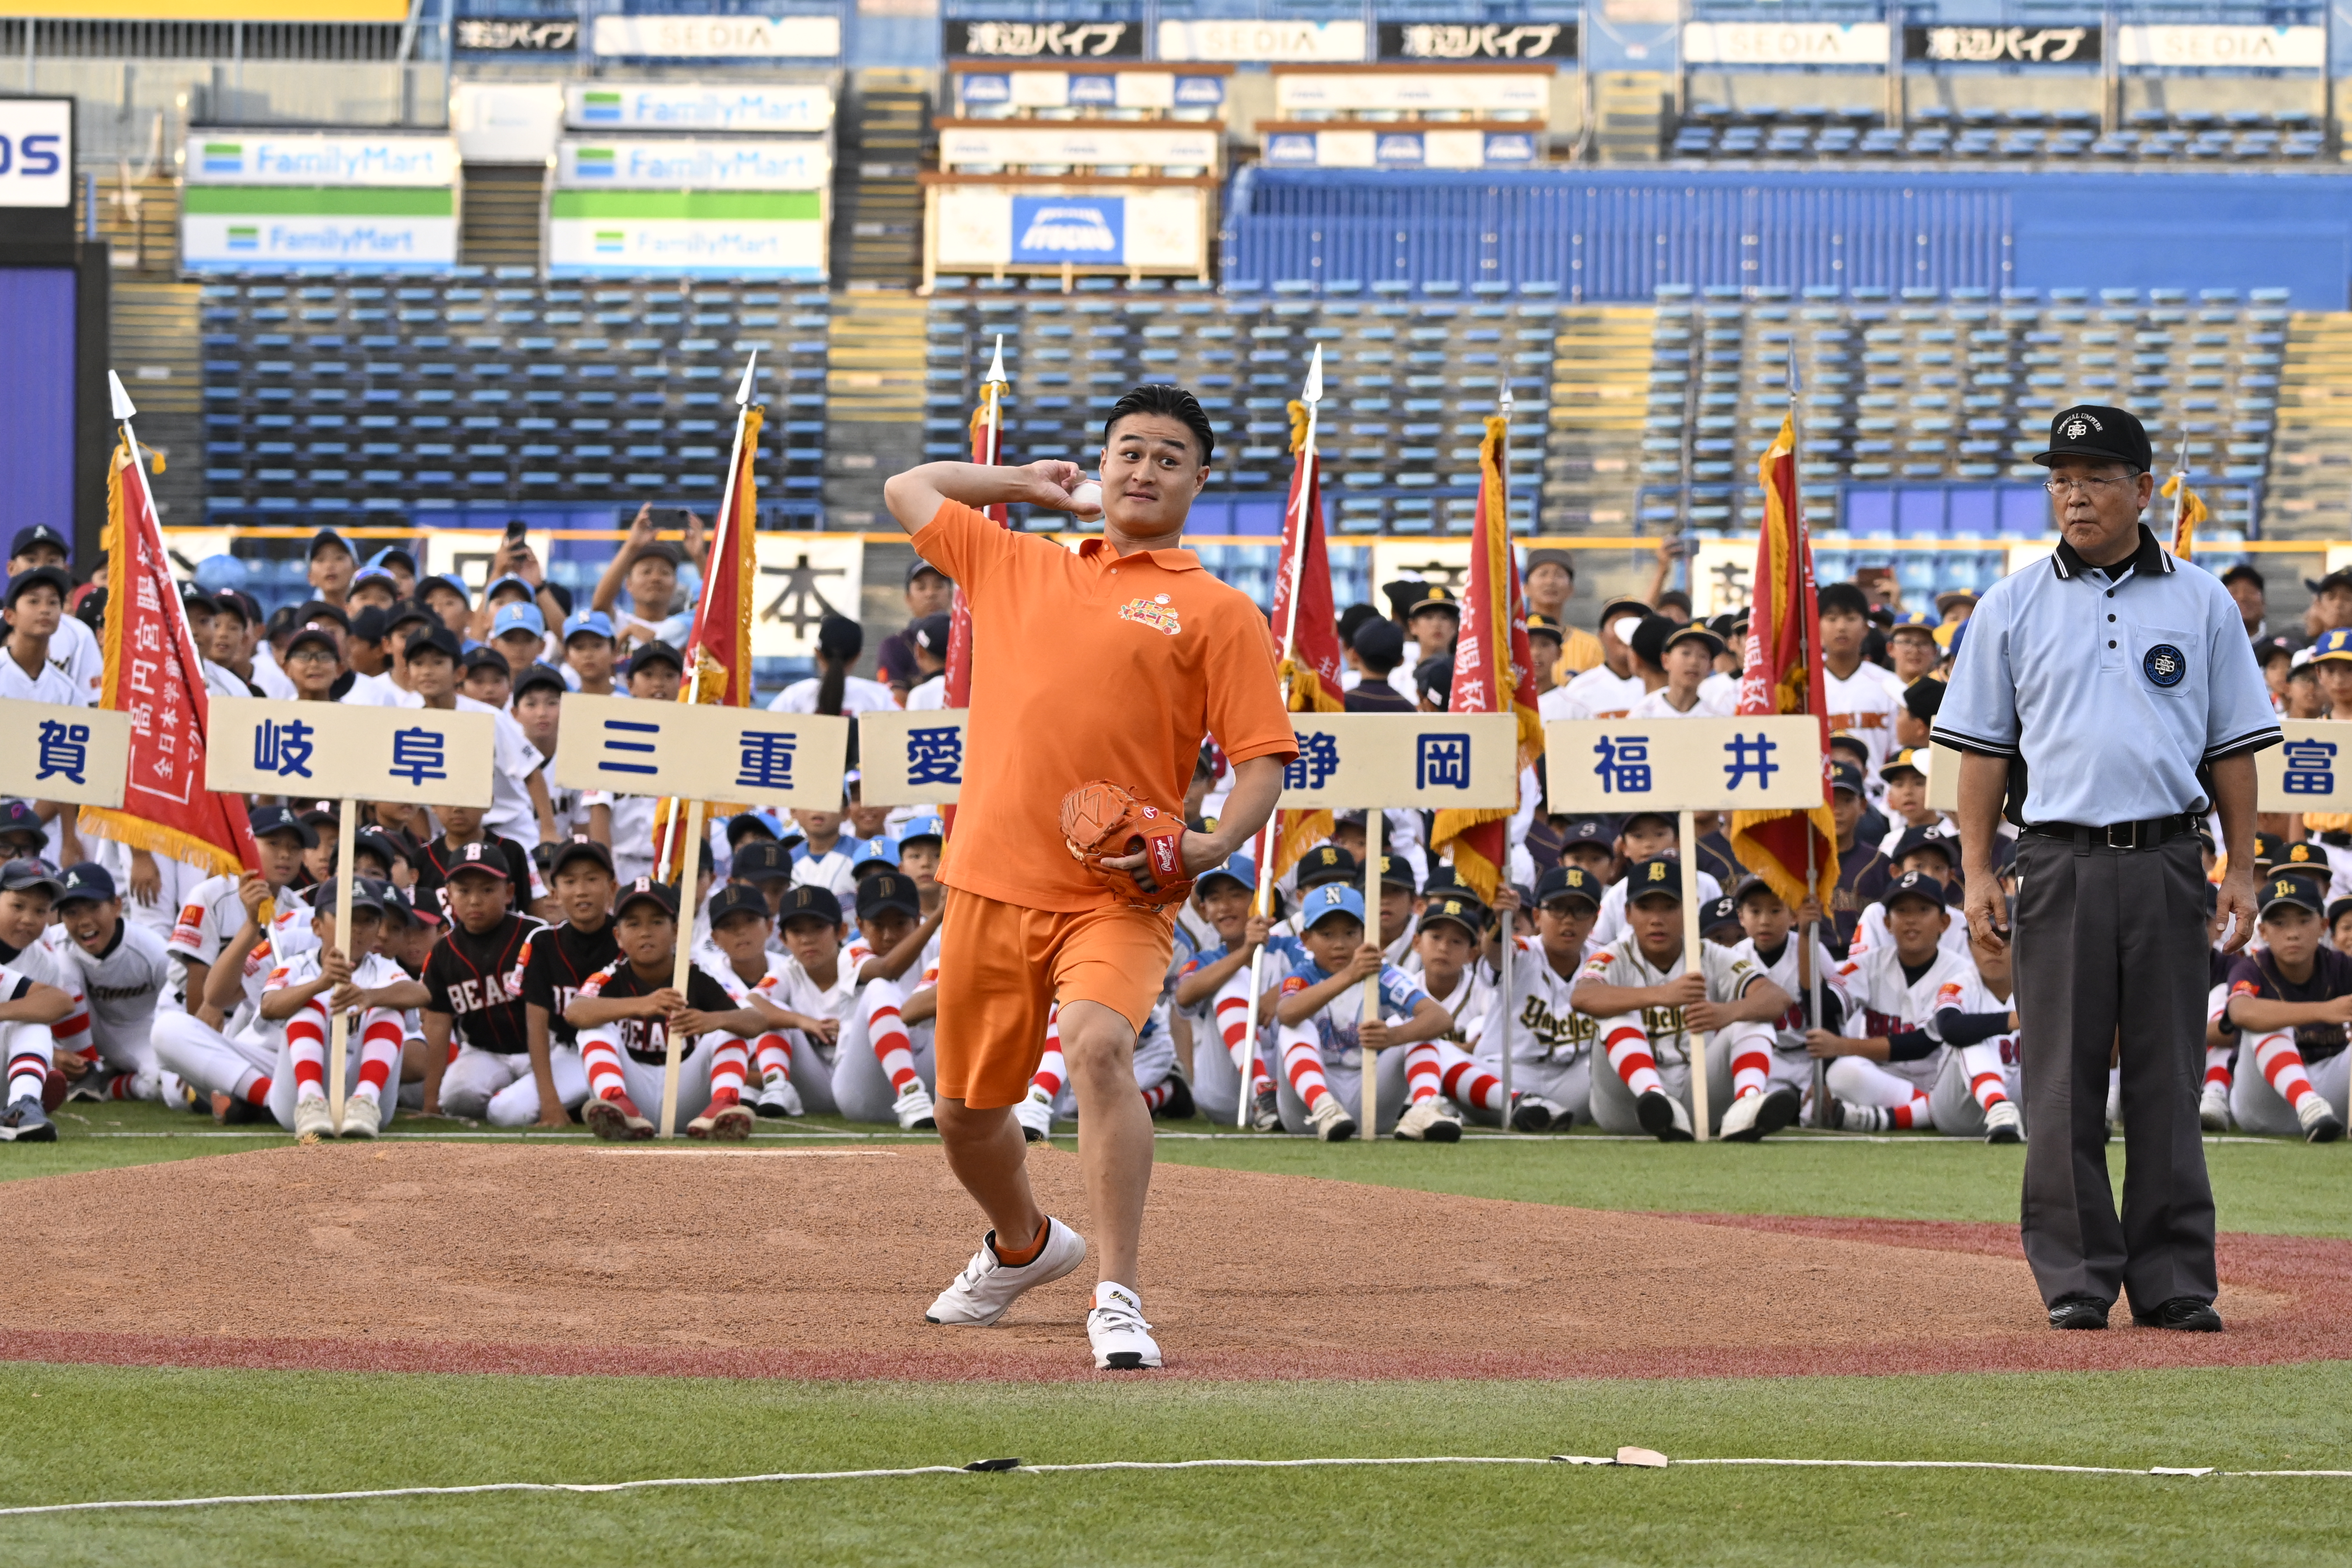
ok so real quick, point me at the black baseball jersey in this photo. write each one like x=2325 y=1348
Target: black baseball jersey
x=647 y=1039
x=558 y=961
x=478 y=981
x=2256 y=974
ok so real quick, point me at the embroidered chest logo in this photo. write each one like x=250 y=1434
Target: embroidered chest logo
x=2165 y=665
x=1157 y=611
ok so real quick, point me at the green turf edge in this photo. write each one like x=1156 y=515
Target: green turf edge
x=100 y=1432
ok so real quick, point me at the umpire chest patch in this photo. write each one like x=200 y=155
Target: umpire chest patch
x=2164 y=665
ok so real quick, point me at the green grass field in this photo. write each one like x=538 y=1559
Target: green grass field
x=80 y=1433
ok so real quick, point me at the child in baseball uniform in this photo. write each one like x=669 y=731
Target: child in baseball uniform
x=1442 y=1078
x=1211 y=990
x=1643 y=835
x=625 y=1014
x=1549 y=1041
x=122 y=969
x=1879 y=1080
x=1654 y=1016
x=232 y=932
x=473 y=977
x=1776 y=1080
x=835 y=1021
x=1932 y=854
x=738 y=957
x=558 y=959
x=1323 y=1034
x=1978 y=1094
x=35 y=999
x=2291 y=1002
x=294 y=1007
x=2221 y=1031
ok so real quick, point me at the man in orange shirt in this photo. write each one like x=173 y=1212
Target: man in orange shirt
x=1113 y=662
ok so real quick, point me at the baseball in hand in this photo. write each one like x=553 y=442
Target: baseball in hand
x=1086 y=498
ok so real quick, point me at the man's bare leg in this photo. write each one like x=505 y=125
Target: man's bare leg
x=1114 y=1134
x=989 y=1156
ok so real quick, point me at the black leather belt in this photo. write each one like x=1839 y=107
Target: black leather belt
x=2145 y=835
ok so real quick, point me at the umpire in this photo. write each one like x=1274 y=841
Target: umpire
x=2105 y=701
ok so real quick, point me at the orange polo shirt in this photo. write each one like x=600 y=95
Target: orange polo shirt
x=1089 y=665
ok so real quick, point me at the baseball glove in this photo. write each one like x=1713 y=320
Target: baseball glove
x=1100 y=820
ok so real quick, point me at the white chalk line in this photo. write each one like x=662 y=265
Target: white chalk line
x=813 y=1134
x=1016 y=1466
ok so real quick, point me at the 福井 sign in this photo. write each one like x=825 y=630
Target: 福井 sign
x=702 y=752
x=1428 y=759
x=1615 y=766
x=913 y=758
x=2310 y=770
x=75 y=754
x=325 y=750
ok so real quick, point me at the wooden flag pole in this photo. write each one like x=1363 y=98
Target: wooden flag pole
x=1808 y=974
x=339 y=1021
x=1693 y=962
x=689 y=867
x=1368 y=1058
x=1503 y=872
x=1311 y=394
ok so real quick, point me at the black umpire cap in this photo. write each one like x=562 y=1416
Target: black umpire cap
x=2091 y=430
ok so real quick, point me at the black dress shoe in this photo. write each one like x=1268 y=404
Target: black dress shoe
x=2185 y=1313
x=2079 y=1312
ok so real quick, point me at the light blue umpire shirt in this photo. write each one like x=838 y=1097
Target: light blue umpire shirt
x=2114 y=684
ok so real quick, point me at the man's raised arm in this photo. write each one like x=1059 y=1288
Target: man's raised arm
x=914 y=497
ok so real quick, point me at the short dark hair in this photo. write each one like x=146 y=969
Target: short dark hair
x=2245 y=570
x=1170 y=401
x=1846 y=598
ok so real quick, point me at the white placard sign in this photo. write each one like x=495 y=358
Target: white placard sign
x=802 y=578
x=1428 y=759
x=702 y=752
x=421 y=756
x=911 y=758
x=79 y=755
x=718 y=37
x=2312 y=771
x=1618 y=765
x=1785 y=44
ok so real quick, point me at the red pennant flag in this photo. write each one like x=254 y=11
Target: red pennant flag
x=152 y=673
x=987 y=449
x=1494 y=669
x=1311 y=663
x=1783 y=675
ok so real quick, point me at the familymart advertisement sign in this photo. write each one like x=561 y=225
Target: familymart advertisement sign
x=688 y=233
x=265 y=202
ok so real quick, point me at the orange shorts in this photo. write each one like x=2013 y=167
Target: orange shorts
x=1001 y=967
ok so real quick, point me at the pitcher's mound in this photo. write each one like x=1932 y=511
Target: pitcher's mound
x=820 y=1261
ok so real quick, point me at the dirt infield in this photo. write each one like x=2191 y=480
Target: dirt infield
x=818 y=1263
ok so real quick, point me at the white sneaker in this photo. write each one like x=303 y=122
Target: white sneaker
x=1035 y=1115
x=145 y=1084
x=1534 y=1113
x=363 y=1116
x=1663 y=1117
x=2003 y=1124
x=1122 y=1340
x=1739 y=1124
x=777 y=1099
x=1330 y=1121
x=311 y=1117
x=2320 y=1123
x=913 y=1108
x=1848 y=1117
x=2214 y=1108
x=1430 y=1120
x=987 y=1288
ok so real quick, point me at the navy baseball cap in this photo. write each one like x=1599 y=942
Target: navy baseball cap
x=657 y=652
x=32 y=577
x=87 y=880
x=1327 y=863
x=1396 y=871
x=1846 y=776
x=277 y=819
x=1661 y=874
x=1461 y=908
x=1563 y=883
x=1718 y=913
x=1917 y=838
x=1920 y=886
x=32 y=534
x=383 y=844
x=434 y=640
x=887 y=890
x=18 y=816
x=1331 y=899
x=533 y=676
x=367 y=893
x=2093 y=430
x=760 y=860
x=1600 y=830
x=806 y=900
x=645 y=890
x=737 y=899
x=24 y=875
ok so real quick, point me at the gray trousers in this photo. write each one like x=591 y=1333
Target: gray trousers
x=2110 y=943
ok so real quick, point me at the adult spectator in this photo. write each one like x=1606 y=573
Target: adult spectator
x=1550 y=583
x=833 y=689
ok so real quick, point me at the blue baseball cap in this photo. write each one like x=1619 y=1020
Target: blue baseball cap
x=375 y=575
x=86 y=881
x=326 y=536
x=510 y=581
x=589 y=622
x=928 y=826
x=1330 y=899
x=1238 y=868
x=880 y=850
x=524 y=616
x=382 y=559
x=2337 y=644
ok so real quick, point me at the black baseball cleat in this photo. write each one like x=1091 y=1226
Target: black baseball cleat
x=25 y=1123
x=2185 y=1313
x=1177 y=1107
x=1663 y=1117
x=2079 y=1312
